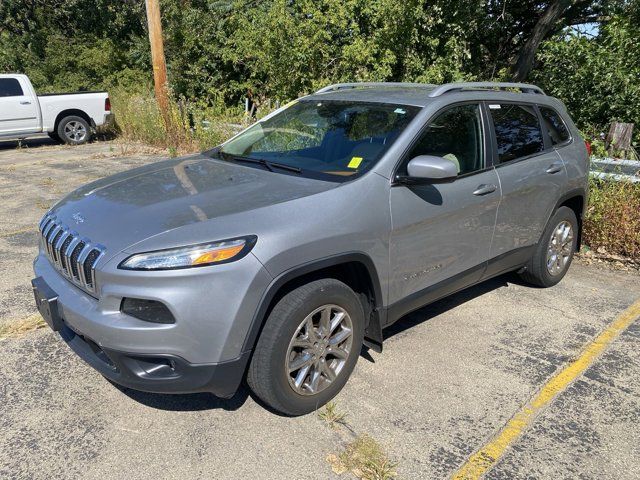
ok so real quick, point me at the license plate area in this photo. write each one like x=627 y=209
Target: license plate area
x=47 y=303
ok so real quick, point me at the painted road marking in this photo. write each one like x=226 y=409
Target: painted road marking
x=489 y=455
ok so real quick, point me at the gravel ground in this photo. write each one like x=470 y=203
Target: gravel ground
x=451 y=375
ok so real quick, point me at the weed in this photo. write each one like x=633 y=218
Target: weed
x=20 y=327
x=331 y=415
x=190 y=127
x=47 y=182
x=612 y=219
x=365 y=459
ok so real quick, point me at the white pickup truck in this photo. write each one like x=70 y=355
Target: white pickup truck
x=67 y=117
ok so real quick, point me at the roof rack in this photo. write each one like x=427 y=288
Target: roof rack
x=348 y=86
x=459 y=86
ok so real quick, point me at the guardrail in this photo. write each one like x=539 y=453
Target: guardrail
x=616 y=170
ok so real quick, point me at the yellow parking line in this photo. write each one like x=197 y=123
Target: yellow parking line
x=485 y=458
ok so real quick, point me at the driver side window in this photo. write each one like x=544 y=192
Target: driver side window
x=456 y=135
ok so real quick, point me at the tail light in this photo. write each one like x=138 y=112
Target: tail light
x=107 y=104
x=587 y=144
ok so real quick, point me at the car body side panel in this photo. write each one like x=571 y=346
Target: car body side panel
x=529 y=195
x=90 y=103
x=439 y=231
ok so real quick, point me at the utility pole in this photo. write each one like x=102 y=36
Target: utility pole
x=157 y=58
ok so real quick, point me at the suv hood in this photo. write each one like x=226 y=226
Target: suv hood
x=132 y=206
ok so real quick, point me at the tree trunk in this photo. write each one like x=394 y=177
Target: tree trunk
x=545 y=24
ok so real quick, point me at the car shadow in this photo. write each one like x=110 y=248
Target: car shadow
x=206 y=401
x=191 y=402
x=450 y=302
x=32 y=142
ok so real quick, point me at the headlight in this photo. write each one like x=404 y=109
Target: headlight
x=191 y=256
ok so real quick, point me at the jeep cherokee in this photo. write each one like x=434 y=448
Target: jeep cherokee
x=275 y=256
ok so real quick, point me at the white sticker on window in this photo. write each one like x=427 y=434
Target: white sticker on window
x=494 y=107
x=400 y=111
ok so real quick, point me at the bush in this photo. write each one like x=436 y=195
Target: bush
x=191 y=128
x=612 y=220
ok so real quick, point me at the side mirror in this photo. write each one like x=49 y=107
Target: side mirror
x=432 y=168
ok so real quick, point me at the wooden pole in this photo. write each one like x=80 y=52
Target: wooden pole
x=157 y=58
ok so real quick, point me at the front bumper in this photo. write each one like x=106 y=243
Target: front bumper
x=158 y=373
x=200 y=352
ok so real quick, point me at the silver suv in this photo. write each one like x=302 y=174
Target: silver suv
x=276 y=256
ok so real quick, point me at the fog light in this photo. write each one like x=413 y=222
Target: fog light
x=147 y=310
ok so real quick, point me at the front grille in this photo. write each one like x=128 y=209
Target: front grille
x=73 y=256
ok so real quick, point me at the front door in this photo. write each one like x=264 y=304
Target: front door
x=18 y=110
x=441 y=232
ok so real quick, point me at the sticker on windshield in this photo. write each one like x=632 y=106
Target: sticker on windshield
x=400 y=111
x=495 y=107
x=355 y=162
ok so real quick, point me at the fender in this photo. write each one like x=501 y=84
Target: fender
x=576 y=192
x=373 y=330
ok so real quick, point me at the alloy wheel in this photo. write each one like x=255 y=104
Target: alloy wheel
x=75 y=131
x=319 y=349
x=560 y=248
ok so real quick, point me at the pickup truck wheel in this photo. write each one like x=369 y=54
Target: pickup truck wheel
x=308 y=347
x=555 y=250
x=74 y=130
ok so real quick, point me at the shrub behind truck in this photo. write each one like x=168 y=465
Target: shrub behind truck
x=68 y=117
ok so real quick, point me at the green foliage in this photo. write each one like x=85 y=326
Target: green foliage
x=612 y=220
x=220 y=51
x=597 y=78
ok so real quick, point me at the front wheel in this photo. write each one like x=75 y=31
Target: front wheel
x=554 y=252
x=74 y=130
x=308 y=347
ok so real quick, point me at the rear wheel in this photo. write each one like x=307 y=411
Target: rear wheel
x=74 y=130
x=308 y=347
x=555 y=250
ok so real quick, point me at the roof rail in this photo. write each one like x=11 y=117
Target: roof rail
x=453 y=87
x=347 y=86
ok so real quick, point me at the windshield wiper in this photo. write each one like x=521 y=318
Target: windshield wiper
x=269 y=165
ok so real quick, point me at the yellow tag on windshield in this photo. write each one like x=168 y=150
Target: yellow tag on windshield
x=355 y=162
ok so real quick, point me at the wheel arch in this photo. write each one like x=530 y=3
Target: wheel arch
x=355 y=269
x=72 y=112
x=576 y=201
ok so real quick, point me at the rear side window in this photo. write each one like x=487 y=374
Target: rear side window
x=555 y=126
x=10 y=87
x=518 y=131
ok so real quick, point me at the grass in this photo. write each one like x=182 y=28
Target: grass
x=365 y=459
x=191 y=127
x=332 y=415
x=20 y=327
x=612 y=220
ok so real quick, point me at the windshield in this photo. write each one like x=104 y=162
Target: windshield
x=338 y=139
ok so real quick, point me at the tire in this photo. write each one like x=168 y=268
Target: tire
x=269 y=375
x=74 y=130
x=537 y=271
x=54 y=136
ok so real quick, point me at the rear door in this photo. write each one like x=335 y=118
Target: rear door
x=532 y=176
x=18 y=108
x=441 y=232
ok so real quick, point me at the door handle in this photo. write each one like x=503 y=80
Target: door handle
x=25 y=102
x=484 y=189
x=554 y=168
